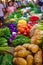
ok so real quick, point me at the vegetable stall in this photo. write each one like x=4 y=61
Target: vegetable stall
x=21 y=38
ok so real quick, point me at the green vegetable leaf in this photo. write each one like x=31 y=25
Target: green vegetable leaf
x=5 y=32
x=7 y=60
x=1 y=58
x=3 y=42
x=20 y=39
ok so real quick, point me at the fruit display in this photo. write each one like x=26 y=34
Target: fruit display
x=23 y=41
x=21 y=37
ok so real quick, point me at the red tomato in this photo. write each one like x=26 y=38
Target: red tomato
x=25 y=33
x=27 y=30
x=29 y=26
x=22 y=30
x=19 y=28
x=26 y=27
x=18 y=33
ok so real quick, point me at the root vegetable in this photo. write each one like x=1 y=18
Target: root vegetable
x=32 y=47
x=26 y=45
x=33 y=30
x=38 y=58
x=29 y=60
x=18 y=48
x=22 y=53
x=19 y=61
x=27 y=54
x=37 y=37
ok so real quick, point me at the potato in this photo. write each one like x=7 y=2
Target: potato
x=26 y=45
x=18 y=48
x=38 y=58
x=34 y=40
x=19 y=61
x=30 y=46
x=32 y=31
x=37 y=37
x=33 y=48
x=22 y=53
x=29 y=60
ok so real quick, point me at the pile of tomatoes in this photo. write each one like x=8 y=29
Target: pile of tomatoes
x=23 y=27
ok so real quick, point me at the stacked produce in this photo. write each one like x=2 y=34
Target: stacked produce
x=27 y=54
x=33 y=20
x=5 y=32
x=37 y=34
x=6 y=59
x=21 y=38
x=22 y=27
x=15 y=16
x=24 y=13
x=3 y=41
x=28 y=36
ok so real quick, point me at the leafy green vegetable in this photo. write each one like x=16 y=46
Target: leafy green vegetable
x=20 y=39
x=7 y=60
x=37 y=11
x=5 y=32
x=40 y=26
x=3 y=42
x=31 y=5
x=6 y=49
x=14 y=15
x=1 y=58
x=1 y=32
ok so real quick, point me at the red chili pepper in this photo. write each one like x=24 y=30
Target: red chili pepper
x=34 y=18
